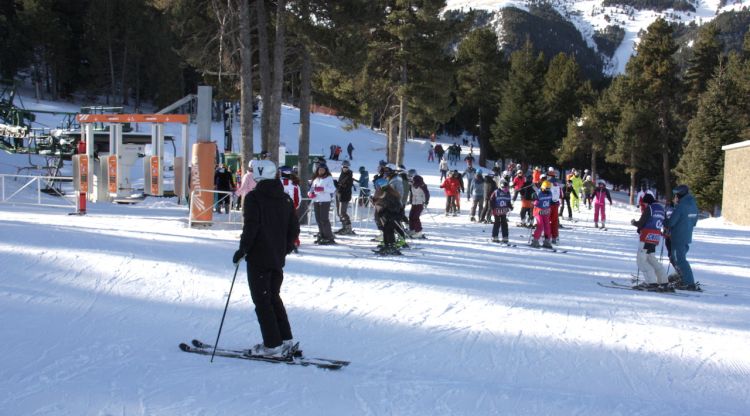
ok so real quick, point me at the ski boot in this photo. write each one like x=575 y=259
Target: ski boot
x=650 y=287
x=387 y=250
x=535 y=243
x=675 y=278
x=280 y=352
x=495 y=240
x=665 y=287
x=693 y=287
x=505 y=240
x=401 y=243
x=546 y=243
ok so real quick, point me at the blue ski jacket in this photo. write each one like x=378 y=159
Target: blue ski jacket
x=683 y=219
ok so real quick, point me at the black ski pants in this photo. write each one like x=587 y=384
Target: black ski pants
x=501 y=222
x=565 y=202
x=265 y=289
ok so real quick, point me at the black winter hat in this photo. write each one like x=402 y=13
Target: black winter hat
x=648 y=199
x=681 y=190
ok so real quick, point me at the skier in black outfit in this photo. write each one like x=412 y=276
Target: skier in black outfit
x=268 y=235
x=566 y=191
x=224 y=181
x=343 y=196
x=489 y=187
x=528 y=195
x=388 y=210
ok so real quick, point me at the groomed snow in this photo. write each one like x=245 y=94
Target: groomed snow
x=93 y=308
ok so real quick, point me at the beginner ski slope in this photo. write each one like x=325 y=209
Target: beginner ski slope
x=93 y=308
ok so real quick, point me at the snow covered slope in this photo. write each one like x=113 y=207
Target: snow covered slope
x=93 y=308
x=589 y=16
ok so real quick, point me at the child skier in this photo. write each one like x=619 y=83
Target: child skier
x=568 y=193
x=600 y=196
x=542 y=209
x=489 y=187
x=588 y=191
x=527 y=203
x=554 y=215
x=477 y=195
x=649 y=230
x=577 y=185
x=452 y=187
x=501 y=205
x=290 y=182
x=388 y=210
x=420 y=197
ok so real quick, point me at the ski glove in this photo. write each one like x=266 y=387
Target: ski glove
x=238 y=255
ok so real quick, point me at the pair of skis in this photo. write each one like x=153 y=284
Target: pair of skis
x=615 y=285
x=201 y=348
x=554 y=250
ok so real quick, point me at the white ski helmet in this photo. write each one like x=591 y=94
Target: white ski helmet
x=264 y=169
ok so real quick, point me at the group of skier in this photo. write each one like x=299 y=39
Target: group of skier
x=271 y=228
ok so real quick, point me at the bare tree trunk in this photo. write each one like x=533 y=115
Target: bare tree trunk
x=633 y=171
x=304 y=119
x=279 y=46
x=265 y=71
x=666 y=172
x=138 y=84
x=401 y=132
x=246 y=85
x=110 y=53
x=393 y=150
x=389 y=138
x=123 y=77
x=593 y=165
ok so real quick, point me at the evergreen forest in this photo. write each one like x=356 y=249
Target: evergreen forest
x=538 y=95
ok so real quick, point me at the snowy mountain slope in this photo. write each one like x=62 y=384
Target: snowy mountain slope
x=589 y=16
x=93 y=308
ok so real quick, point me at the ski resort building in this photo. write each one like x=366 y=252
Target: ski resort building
x=735 y=202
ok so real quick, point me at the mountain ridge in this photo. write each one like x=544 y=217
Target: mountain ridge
x=597 y=19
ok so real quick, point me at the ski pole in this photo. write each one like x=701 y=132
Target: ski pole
x=225 y=311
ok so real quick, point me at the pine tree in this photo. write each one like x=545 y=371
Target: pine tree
x=738 y=67
x=480 y=69
x=706 y=55
x=652 y=73
x=14 y=46
x=717 y=123
x=562 y=83
x=520 y=130
x=631 y=146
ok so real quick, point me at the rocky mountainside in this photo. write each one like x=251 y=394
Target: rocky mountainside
x=601 y=34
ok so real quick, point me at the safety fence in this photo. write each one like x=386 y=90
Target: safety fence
x=360 y=210
x=35 y=190
x=233 y=217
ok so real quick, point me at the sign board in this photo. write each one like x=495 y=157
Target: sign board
x=155 y=173
x=202 y=177
x=83 y=170
x=112 y=173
